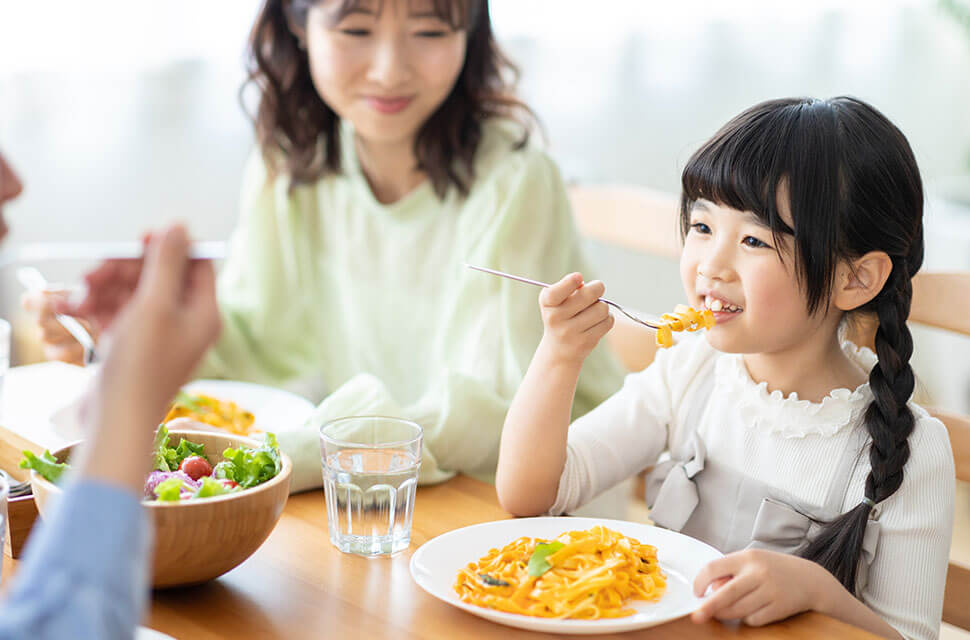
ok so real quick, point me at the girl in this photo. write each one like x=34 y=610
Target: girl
x=392 y=151
x=819 y=485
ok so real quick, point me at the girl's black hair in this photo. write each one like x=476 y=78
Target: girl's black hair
x=299 y=134
x=853 y=187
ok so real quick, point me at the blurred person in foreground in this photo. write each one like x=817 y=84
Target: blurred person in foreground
x=86 y=570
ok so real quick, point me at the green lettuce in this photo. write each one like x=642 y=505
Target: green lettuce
x=45 y=464
x=250 y=467
x=212 y=488
x=169 y=490
x=165 y=458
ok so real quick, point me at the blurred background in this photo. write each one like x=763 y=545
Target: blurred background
x=122 y=115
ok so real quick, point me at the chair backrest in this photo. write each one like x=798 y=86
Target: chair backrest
x=647 y=221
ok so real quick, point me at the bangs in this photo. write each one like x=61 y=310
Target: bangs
x=457 y=14
x=778 y=147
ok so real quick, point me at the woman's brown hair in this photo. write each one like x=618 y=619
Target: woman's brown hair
x=298 y=132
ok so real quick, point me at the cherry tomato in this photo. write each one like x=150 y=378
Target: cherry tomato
x=195 y=467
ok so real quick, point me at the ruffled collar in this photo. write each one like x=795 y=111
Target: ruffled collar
x=789 y=416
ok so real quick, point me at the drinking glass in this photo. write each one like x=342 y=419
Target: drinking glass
x=370 y=474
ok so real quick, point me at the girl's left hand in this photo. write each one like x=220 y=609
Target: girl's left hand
x=757 y=586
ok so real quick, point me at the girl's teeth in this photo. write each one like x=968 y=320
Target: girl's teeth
x=716 y=305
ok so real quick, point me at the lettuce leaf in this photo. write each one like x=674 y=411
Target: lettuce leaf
x=169 y=490
x=46 y=465
x=210 y=488
x=250 y=467
x=165 y=458
x=159 y=447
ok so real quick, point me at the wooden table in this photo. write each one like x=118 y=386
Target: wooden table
x=299 y=586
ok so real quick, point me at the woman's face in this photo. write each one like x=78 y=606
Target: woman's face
x=385 y=66
x=10 y=188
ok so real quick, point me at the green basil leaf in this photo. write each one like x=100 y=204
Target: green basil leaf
x=537 y=563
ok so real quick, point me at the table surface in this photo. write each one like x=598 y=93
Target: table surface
x=299 y=586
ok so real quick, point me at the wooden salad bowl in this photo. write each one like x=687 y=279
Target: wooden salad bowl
x=201 y=539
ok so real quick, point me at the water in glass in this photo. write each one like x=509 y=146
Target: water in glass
x=370 y=499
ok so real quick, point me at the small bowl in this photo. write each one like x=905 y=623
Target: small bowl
x=199 y=540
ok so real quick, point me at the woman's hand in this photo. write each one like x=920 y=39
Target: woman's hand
x=159 y=332
x=758 y=587
x=58 y=344
x=109 y=288
x=574 y=319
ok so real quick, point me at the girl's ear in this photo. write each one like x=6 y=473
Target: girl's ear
x=859 y=281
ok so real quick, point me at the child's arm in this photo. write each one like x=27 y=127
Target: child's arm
x=761 y=586
x=533 y=448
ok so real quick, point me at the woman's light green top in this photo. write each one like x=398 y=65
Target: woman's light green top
x=331 y=293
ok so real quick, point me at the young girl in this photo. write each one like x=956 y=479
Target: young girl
x=392 y=151
x=818 y=484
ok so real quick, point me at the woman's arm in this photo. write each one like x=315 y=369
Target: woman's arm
x=85 y=574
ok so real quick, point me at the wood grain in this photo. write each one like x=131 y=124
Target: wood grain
x=299 y=586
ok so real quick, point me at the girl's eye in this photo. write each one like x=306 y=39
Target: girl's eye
x=357 y=33
x=700 y=227
x=432 y=33
x=754 y=243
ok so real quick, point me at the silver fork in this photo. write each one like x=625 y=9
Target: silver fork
x=654 y=323
x=33 y=280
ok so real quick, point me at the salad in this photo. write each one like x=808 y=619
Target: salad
x=184 y=472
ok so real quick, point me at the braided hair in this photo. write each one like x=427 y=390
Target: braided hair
x=854 y=187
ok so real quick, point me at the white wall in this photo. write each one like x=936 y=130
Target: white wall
x=123 y=114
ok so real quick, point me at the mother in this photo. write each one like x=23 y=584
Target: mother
x=392 y=152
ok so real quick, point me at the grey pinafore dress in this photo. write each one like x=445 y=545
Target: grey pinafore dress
x=730 y=511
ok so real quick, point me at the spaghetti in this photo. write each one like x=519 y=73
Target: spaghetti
x=582 y=574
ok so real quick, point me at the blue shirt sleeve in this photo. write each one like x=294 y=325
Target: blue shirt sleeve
x=85 y=572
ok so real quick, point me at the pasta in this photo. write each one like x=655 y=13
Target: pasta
x=683 y=318
x=221 y=414
x=582 y=574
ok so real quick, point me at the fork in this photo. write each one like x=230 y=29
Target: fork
x=653 y=323
x=33 y=280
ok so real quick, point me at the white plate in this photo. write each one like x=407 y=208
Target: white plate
x=273 y=409
x=436 y=563
x=144 y=633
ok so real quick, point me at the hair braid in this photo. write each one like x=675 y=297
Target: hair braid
x=889 y=421
x=888 y=418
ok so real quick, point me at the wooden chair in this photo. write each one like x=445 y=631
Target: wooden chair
x=647 y=221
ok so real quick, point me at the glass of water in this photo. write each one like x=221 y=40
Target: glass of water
x=370 y=474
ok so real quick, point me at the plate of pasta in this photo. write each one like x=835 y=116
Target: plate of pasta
x=242 y=408
x=564 y=575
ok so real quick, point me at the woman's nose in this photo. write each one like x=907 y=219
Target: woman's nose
x=390 y=66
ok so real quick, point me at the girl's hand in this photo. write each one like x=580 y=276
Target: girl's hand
x=758 y=587
x=58 y=344
x=574 y=320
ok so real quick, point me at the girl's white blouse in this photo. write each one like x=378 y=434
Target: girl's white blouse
x=790 y=443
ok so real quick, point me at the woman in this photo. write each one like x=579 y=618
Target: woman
x=392 y=151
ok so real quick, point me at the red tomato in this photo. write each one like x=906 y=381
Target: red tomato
x=195 y=467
